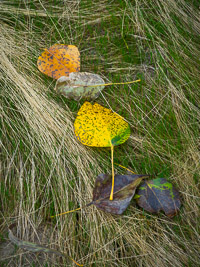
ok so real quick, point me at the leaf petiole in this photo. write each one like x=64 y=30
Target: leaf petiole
x=125 y=168
x=113 y=174
x=106 y=84
x=65 y=212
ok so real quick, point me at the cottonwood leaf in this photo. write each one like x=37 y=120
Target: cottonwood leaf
x=80 y=85
x=158 y=194
x=59 y=60
x=33 y=247
x=98 y=126
x=124 y=190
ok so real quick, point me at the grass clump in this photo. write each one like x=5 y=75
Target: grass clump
x=44 y=170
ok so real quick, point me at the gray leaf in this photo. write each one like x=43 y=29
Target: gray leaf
x=31 y=246
x=80 y=85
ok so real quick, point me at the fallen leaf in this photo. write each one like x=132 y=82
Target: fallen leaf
x=158 y=194
x=100 y=127
x=59 y=60
x=80 y=85
x=124 y=190
x=33 y=247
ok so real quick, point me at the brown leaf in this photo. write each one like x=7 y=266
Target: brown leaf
x=158 y=194
x=124 y=190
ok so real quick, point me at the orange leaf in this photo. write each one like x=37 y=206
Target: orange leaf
x=59 y=60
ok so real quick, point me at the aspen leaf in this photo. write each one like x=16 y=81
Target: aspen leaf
x=98 y=126
x=80 y=85
x=59 y=60
x=124 y=190
x=33 y=247
x=158 y=194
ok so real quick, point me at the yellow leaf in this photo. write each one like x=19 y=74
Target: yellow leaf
x=100 y=127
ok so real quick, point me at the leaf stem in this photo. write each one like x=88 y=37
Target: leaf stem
x=87 y=205
x=65 y=212
x=106 y=84
x=76 y=262
x=113 y=174
x=125 y=168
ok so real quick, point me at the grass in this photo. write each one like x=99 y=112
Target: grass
x=44 y=170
